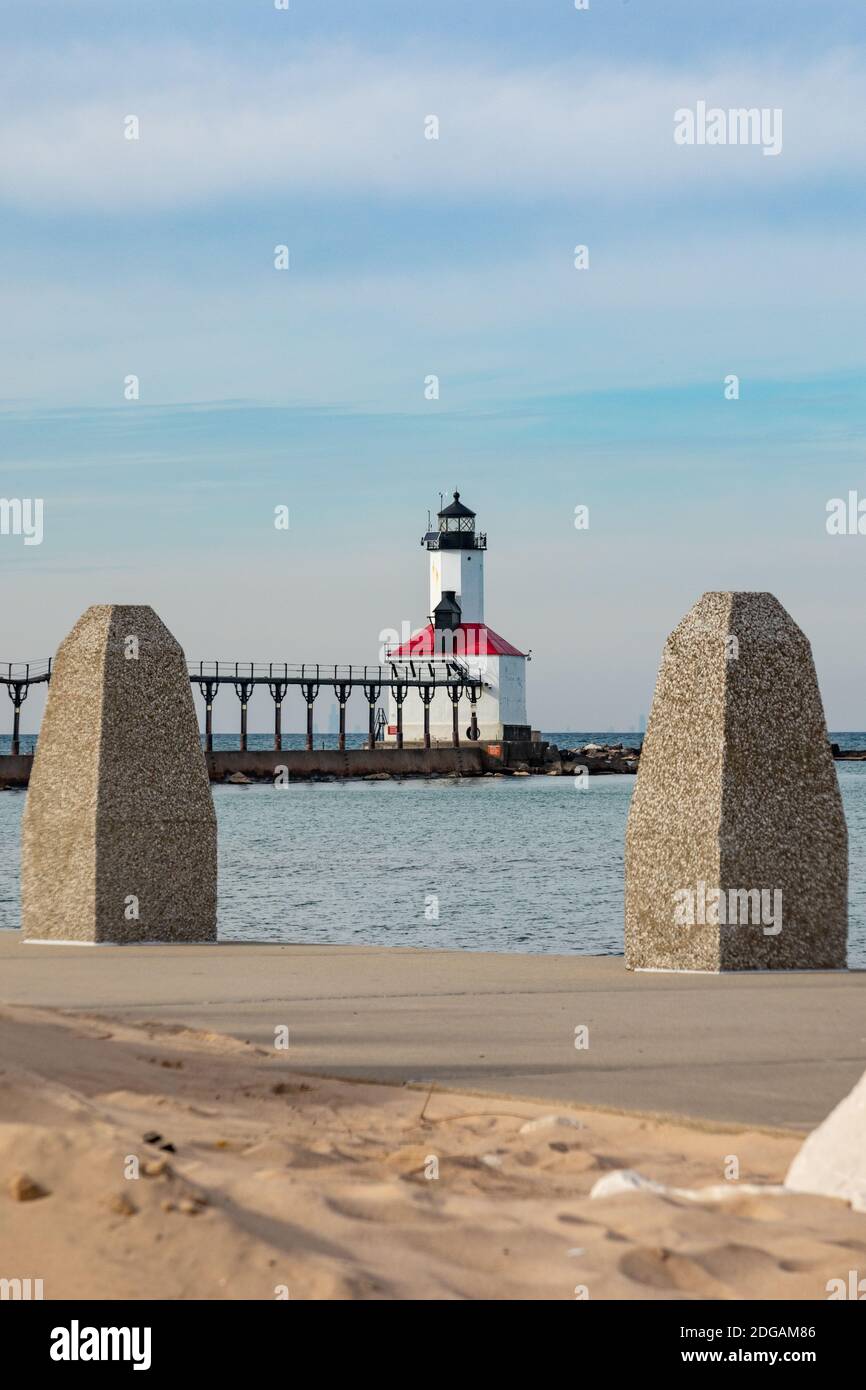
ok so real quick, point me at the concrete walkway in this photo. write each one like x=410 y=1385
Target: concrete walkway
x=755 y=1049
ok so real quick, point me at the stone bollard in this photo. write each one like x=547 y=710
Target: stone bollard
x=736 y=848
x=119 y=830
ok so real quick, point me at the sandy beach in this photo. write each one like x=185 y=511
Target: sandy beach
x=283 y=1181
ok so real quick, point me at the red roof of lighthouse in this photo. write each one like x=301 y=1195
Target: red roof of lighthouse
x=474 y=639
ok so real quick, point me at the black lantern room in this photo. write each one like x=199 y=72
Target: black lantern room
x=456 y=529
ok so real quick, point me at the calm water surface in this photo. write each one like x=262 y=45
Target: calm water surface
x=517 y=864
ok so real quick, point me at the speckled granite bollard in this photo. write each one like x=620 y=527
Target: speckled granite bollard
x=119 y=831
x=736 y=848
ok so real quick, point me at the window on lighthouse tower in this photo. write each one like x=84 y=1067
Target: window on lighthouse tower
x=456 y=517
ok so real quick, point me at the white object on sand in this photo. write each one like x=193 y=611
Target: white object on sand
x=627 y=1180
x=550 y=1122
x=832 y=1160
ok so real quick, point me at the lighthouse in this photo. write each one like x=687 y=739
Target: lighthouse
x=457 y=637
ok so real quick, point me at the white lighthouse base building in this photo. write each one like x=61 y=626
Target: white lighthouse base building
x=487 y=658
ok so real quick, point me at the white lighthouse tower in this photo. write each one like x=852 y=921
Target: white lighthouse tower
x=457 y=561
x=457 y=635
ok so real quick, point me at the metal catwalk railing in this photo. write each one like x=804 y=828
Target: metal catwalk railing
x=398 y=677
x=18 y=676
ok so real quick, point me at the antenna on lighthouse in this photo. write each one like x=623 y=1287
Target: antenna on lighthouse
x=441 y=500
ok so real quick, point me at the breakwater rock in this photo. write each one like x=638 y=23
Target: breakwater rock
x=600 y=758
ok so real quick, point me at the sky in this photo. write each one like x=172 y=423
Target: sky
x=410 y=258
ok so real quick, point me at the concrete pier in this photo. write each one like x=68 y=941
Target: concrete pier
x=469 y=760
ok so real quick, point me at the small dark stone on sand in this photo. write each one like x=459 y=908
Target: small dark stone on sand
x=23 y=1188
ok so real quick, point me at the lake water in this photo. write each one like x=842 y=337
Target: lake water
x=508 y=864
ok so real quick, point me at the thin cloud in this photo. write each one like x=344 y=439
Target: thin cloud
x=343 y=122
